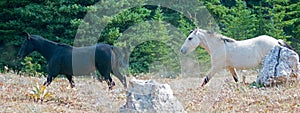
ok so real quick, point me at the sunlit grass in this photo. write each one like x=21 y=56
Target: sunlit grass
x=23 y=94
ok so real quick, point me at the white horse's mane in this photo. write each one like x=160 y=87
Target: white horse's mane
x=217 y=35
x=227 y=39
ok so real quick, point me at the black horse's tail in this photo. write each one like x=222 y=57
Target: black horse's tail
x=284 y=44
x=117 y=62
x=118 y=58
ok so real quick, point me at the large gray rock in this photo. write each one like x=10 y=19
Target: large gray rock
x=148 y=96
x=281 y=64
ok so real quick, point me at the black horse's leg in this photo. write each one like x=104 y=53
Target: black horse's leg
x=52 y=74
x=50 y=79
x=105 y=71
x=72 y=83
x=100 y=78
x=110 y=83
x=108 y=79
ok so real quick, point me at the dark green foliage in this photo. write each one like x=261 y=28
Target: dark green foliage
x=255 y=85
x=240 y=23
x=50 y=19
x=30 y=68
x=147 y=31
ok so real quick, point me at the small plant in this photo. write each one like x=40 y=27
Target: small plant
x=256 y=85
x=40 y=93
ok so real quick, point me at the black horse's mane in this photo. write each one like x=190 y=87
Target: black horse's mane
x=63 y=44
x=38 y=37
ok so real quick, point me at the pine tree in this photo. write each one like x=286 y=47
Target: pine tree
x=239 y=23
x=50 y=19
x=291 y=23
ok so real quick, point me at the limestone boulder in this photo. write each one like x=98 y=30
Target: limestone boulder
x=280 y=65
x=148 y=96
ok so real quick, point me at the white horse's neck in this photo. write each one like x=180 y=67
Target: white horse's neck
x=211 y=43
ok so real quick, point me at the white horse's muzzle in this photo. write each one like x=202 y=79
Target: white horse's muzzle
x=184 y=50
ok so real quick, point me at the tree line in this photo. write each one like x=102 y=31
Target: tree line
x=147 y=31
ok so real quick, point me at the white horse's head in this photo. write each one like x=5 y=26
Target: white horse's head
x=192 y=41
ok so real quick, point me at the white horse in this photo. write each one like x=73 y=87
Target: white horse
x=227 y=53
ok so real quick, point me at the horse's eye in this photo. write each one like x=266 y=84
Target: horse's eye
x=191 y=31
x=190 y=38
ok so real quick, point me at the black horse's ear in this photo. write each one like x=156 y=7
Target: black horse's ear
x=27 y=36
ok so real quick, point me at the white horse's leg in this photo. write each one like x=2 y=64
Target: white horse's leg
x=210 y=74
x=233 y=72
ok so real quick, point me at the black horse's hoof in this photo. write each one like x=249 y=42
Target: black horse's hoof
x=113 y=83
x=203 y=84
x=110 y=87
x=72 y=86
x=45 y=83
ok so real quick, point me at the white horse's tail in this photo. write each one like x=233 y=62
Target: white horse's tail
x=284 y=44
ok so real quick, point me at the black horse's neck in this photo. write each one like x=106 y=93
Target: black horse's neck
x=45 y=47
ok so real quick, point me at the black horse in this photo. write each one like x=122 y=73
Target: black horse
x=68 y=60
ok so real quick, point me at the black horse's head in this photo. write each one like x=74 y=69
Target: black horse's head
x=27 y=47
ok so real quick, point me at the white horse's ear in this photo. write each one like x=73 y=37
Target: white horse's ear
x=191 y=31
x=196 y=30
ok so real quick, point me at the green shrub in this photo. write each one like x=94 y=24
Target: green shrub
x=30 y=68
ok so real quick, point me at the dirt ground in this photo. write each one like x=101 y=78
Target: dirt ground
x=221 y=94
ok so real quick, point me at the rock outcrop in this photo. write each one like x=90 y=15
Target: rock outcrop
x=148 y=96
x=281 y=64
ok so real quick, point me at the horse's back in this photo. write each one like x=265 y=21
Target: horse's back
x=265 y=39
x=86 y=59
x=63 y=58
x=249 y=53
x=263 y=42
x=83 y=60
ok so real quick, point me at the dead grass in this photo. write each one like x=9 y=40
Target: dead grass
x=220 y=95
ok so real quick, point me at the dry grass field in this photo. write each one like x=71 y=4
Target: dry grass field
x=220 y=95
